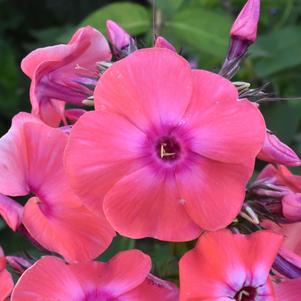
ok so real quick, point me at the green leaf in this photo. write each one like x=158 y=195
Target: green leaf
x=278 y=51
x=202 y=29
x=168 y=7
x=134 y=18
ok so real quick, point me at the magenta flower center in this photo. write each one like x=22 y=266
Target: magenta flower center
x=168 y=149
x=247 y=293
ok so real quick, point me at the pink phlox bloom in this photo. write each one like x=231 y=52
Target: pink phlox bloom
x=124 y=278
x=31 y=161
x=226 y=266
x=63 y=73
x=168 y=151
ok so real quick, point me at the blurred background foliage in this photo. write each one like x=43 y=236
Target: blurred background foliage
x=198 y=28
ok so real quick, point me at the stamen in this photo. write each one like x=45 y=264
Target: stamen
x=242 y=294
x=163 y=153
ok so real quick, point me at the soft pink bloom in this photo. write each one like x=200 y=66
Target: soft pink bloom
x=31 y=161
x=63 y=73
x=288 y=290
x=122 y=43
x=169 y=149
x=291 y=248
x=225 y=266
x=275 y=151
x=124 y=278
x=6 y=280
x=11 y=212
x=245 y=25
x=279 y=184
x=163 y=43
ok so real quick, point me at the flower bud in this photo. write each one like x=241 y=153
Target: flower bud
x=122 y=43
x=163 y=43
x=243 y=33
x=274 y=151
x=19 y=264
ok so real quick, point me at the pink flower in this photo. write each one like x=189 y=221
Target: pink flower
x=122 y=43
x=31 y=161
x=226 y=266
x=283 y=188
x=275 y=151
x=6 y=280
x=63 y=73
x=124 y=278
x=168 y=149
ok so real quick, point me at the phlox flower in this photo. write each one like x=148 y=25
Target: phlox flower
x=225 y=266
x=288 y=290
x=280 y=190
x=124 y=278
x=168 y=151
x=6 y=280
x=31 y=161
x=63 y=73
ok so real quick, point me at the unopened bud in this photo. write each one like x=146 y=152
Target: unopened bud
x=122 y=43
x=275 y=151
x=243 y=34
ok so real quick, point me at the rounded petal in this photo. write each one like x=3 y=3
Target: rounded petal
x=212 y=192
x=147 y=204
x=291 y=207
x=208 y=89
x=48 y=279
x=69 y=228
x=236 y=136
x=124 y=272
x=99 y=154
x=152 y=289
x=223 y=262
x=6 y=284
x=11 y=212
x=13 y=157
x=149 y=86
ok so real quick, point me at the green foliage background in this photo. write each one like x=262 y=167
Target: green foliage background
x=198 y=28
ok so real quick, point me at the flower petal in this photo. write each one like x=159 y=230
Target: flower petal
x=124 y=272
x=152 y=289
x=6 y=284
x=48 y=279
x=69 y=228
x=149 y=86
x=11 y=212
x=213 y=192
x=147 y=204
x=288 y=290
x=229 y=132
x=99 y=154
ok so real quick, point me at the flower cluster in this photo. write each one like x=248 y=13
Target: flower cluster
x=134 y=141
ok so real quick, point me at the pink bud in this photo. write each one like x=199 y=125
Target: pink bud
x=122 y=43
x=245 y=25
x=274 y=151
x=19 y=264
x=163 y=43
